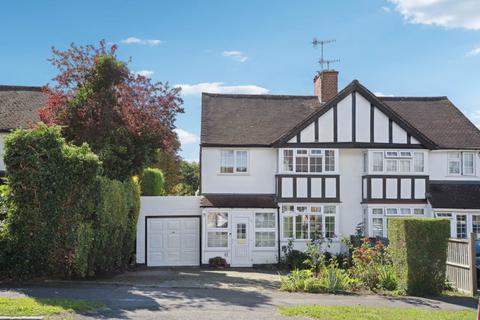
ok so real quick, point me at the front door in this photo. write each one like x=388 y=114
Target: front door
x=241 y=242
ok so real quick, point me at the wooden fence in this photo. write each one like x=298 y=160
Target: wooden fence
x=461 y=270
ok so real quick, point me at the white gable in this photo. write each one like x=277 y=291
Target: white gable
x=355 y=117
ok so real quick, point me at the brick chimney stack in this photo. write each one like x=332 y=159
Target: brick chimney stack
x=325 y=85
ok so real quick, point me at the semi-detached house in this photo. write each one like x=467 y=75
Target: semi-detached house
x=277 y=167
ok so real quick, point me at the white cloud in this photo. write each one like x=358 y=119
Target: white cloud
x=235 y=55
x=386 y=9
x=473 y=52
x=186 y=137
x=219 y=87
x=145 y=73
x=445 y=13
x=381 y=94
x=135 y=40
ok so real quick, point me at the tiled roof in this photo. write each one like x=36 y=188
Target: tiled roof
x=18 y=106
x=238 y=119
x=454 y=194
x=438 y=119
x=238 y=201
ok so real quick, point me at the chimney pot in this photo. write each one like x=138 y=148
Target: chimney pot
x=325 y=85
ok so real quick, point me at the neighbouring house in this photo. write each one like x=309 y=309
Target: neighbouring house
x=18 y=109
x=278 y=167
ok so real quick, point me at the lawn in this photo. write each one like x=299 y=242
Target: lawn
x=374 y=313
x=44 y=307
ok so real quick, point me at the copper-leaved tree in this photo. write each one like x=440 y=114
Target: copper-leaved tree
x=124 y=117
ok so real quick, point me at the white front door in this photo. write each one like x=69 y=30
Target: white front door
x=241 y=242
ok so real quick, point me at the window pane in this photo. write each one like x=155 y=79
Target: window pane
x=217 y=239
x=418 y=211
x=391 y=165
x=330 y=209
x=365 y=162
x=265 y=239
x=454 y=162
x=241 y=231
x=241 y=161
x=391 y=210
x=301 y=163
x=329 y=160
x=418 y=162
x=329 y=226
x=287 y=208
x=288 y=160
x=301 y=227
x=288 y=227
x=316 y=209
x=302 y=208
x=476 y=224
x=468 y=166
x=405 y=211
x=316 y=164
x=217 y=220
x=377 y=161
x=404 y=165
x=264 y=220
x=462 y=226
x=226 y=161
x=377 y=227
x=315 y=227
x=377 y=211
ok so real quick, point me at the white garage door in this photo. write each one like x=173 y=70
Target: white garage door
x=173 y=242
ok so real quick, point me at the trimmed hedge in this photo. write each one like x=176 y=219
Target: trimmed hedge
x=61 y=217
x=152 y=182
x=418 y=248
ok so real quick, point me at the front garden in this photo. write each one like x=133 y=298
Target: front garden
x=413 y=263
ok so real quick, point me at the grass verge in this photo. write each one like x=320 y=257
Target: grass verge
x=44 y=307
x=374 y=313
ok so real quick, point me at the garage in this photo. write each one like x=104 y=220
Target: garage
x=173 y=241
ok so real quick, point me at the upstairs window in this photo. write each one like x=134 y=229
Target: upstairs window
x=307 y=160
x=398 y=161
x=461 y=163
x=234 y=161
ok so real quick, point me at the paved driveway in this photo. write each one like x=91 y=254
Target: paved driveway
x=194 y=294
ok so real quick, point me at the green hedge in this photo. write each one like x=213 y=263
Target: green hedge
x=61 y=217
x=418 y=247
x=152 y=182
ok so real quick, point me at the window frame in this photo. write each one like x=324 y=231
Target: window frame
x=235 y=162
x=264 y=229
x=317 y=210
x=320 y=154
x=217 y=229
x=394 y=161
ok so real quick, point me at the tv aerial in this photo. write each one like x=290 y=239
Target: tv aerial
x=324 y=62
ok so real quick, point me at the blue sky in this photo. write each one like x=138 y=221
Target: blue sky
x=394 y=47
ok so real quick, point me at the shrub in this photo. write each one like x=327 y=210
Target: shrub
x=132 y=197
x=295 y=281
x=294 y=259
x=419 y=252
x=366 y=260
x=314 y=285
x=217 y=262
x=387 y=280
x=333 y=279
x=152 y=182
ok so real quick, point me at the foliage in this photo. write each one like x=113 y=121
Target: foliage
x=190 y=179
x=152 y=182
x=367 y=260
x=368 y=313
x=124 y=117
x=62 y=218
x=387 y=279
x=295 y=280
x=419 y=253
x=25 y=306
x=334 y=279
x=316 y=254
x=217 y=262
x=169 y=163
x=294 y=259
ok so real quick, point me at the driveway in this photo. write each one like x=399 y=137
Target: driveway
x=237 y=296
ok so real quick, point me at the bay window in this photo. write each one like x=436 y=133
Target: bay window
x=461 y=226
x=377 y=227
x=308 y=222
x=307 y=160
x=377 y=161
x=476 y=224
x=454 y=162
x=468 y=163
x=265 y=229
x=217 y=230
x=233 y=161
x=397 y=161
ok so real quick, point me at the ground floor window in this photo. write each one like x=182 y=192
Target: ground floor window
x=377 y=218
x=462 y=223
x=265 y=229
x=308 y=222
x=217 y=230
x=461 y=226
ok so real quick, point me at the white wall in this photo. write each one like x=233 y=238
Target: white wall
x=344 y=119
x=438 y=164
x=163 y=206
x=260 y=178
x=362 y=115
x=351 y=167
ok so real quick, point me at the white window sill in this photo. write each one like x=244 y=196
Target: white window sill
x=234 y=174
